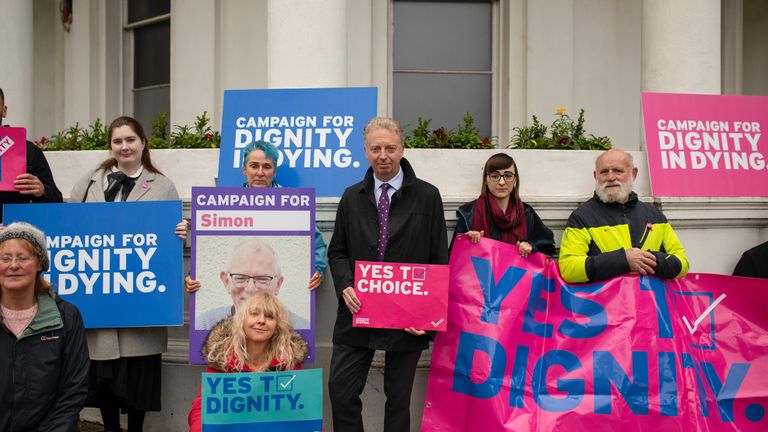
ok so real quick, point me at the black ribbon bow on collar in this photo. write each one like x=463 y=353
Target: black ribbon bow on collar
x=118 y=181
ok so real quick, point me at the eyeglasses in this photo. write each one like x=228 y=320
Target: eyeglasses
x=390 y=149
x=242 y=281
x=20 y=259
x=496 y=177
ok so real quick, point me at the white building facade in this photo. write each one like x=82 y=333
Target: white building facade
x=501 y=60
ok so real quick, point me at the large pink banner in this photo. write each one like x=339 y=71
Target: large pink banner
x=706 y=145
x=13 y=156
x=398 y=295
x=524 y=351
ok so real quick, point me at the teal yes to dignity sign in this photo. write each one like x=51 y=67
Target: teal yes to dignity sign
x=273 y=401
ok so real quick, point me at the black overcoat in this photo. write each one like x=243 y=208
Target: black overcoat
x=417 y=234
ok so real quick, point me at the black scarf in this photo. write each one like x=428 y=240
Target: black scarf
x=118 y=181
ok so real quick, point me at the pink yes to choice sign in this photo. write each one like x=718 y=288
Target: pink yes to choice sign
x=13 y=155
x=707 y=145
x=398 y=296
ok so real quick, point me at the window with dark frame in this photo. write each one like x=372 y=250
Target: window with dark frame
x=149 y=21
x=442 y=62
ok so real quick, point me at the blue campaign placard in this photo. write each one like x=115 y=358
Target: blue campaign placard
x=119 y=263
x=318 y=134
x=289 y=401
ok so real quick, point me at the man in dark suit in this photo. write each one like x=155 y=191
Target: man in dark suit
x=390 y=216
x=36 y=185
x=753 y=263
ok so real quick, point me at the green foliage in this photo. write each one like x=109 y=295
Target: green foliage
x=199 y=135
x=564 y=134
x=76 y=138
x=159 y=134
x=466 y=136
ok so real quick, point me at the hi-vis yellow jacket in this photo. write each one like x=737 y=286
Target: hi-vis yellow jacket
x=597 y=234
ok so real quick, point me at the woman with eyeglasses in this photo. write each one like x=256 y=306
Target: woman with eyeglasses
x=126 y=362
x=43 y=353
x=258 y=338
x=260 y=169
x=500 y=214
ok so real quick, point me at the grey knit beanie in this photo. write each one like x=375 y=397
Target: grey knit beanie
x=25 y=231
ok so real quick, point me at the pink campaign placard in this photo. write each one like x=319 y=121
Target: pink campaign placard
x=524 y=351
x=13 y=155
x=706 y=145
x=398 y=295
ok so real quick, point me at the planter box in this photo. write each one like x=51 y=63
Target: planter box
x=553 y=181
x=544 y=173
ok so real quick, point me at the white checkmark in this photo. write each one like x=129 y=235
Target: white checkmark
x=437 y=323
x=287 y=383
x=692 y=328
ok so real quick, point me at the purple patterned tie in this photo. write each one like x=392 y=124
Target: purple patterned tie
x=383 y=218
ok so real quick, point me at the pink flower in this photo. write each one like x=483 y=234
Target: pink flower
x=208 y=136
x=439 y=133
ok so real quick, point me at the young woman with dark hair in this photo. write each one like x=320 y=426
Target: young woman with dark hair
x=500 y=214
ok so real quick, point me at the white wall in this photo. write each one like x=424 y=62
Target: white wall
x=591 y=54
x=16 y=66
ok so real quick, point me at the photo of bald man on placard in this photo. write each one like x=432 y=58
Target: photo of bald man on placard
x=233 y=268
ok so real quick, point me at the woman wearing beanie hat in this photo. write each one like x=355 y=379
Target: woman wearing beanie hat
x=126 y=362
x=43 y=351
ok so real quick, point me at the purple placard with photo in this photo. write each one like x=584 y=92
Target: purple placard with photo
x=264 y=235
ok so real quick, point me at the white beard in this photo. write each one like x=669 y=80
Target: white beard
x=616 y=196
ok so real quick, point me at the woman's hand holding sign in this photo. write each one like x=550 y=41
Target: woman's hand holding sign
x=315 y=281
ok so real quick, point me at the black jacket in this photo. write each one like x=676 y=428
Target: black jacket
x=38 y=166
x=753 y=263
x=43 y=374
x=539 y=236
x=417 y=234
x=597 y=235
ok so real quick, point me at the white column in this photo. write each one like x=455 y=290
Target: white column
x=78 y=75
x=241 y=46
x=16 y=62
x=681 y=46
x=193 y=61
x=550 y=57
x=307 y=44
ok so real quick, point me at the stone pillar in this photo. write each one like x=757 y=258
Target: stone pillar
x=79 y=78
x=681 y=46
x=17 y=62
x=307 y=45
x=193 y=62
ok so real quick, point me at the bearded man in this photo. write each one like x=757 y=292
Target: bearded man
x=614 y=233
